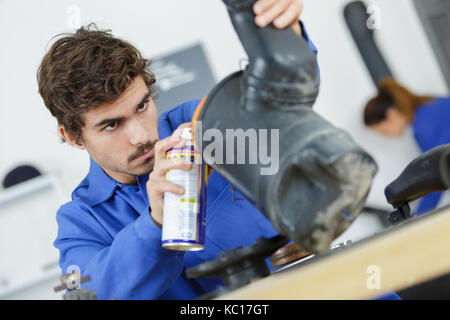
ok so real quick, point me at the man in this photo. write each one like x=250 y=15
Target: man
x=101 y=92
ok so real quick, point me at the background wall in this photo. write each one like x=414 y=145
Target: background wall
x=28 y=132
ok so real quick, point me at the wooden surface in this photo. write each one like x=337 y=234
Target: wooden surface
x=413 y=252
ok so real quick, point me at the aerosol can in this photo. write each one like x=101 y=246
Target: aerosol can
x=184 y=216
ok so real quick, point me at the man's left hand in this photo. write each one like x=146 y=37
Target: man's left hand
x=282 y=13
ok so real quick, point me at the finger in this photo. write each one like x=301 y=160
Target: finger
x=273 y=12
x=157 y=189
x=290 y=16
x=184 y=125
x=165 y=144
x=262 y=5
x=165 y=165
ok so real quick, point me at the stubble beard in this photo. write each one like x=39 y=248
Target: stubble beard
x=147 y=164
x=131 y=169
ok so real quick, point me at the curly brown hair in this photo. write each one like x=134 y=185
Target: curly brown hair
x=86 y=69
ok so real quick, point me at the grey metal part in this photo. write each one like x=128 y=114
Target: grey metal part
x=80 y=294
x=321 y=177
x=435 y=17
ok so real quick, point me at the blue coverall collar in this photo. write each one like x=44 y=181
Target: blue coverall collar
x=102 y=186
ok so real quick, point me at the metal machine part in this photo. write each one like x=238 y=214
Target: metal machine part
x=287 y=254
x=80 y=294
x=323 y=176
x=241 y=266
x=356 y=16
x=71 y=282
x=309 y=257
x=238 y=267
x=380 y=213
x=291 y=254
x=430 y=172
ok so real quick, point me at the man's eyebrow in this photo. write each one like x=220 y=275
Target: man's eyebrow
x=145 y=98
x=112 y=120
x=107 y=121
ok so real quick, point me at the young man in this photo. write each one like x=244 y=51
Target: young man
x=100 y=90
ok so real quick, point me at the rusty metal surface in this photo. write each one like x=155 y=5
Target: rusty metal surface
x=286 y=255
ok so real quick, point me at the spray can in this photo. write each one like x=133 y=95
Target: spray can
x=184 y=216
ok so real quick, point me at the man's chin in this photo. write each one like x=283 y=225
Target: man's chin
x=144 y=168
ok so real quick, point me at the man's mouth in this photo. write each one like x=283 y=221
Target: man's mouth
x=144 y=156
x=144 y=152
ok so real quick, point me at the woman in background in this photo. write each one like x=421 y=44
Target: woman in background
x=395 y=108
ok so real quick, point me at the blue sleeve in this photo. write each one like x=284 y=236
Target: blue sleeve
x=307 y=38
x=391 y=295
x=136 y=249
x=440 y=119
x=428 y=203
x=431 y=129
x=431 y=124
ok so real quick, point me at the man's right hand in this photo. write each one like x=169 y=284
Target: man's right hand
x=156 y=185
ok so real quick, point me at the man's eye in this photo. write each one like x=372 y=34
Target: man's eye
x=111 y=126
x=142 y=107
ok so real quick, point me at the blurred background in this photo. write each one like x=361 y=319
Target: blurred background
x=193 y=46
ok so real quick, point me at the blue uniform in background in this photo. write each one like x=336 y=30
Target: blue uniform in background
x=431 y=127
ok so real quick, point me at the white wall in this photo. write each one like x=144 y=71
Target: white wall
x=28 y=132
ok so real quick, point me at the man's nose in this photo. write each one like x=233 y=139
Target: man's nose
x=137 y=133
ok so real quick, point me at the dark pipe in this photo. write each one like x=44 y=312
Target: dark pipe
x=428 y=173
x=356 y=17
x=281 y=64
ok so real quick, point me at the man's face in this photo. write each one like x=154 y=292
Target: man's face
x=120 y=135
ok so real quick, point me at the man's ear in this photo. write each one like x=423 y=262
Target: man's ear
x=70 y=139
